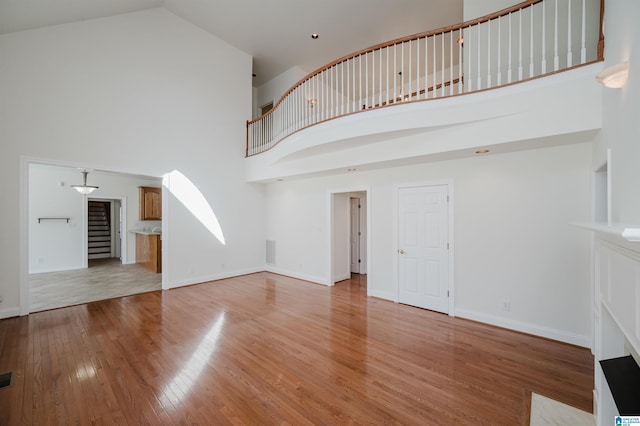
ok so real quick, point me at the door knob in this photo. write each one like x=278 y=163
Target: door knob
x=401 y=251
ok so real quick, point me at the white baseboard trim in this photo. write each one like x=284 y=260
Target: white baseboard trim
x=305 y=277
x=341 y=278
x=9 y=312
x=536 y=330
x=58 y=269
x=214 y=277
x=387 y=295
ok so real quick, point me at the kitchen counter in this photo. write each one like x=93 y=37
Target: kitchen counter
x=142 y=232
x=149 y=249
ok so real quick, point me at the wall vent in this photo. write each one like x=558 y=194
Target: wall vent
x=271 y=252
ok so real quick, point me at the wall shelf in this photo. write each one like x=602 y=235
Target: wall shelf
x=623 y=377
x=54 y=218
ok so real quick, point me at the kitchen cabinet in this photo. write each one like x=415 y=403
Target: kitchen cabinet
x=150 y=203
x=149 y=251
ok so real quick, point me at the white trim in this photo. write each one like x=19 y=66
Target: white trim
x=58 y=269
x=395 y=235
x=292 y=274
x=9 y=312
x=386 y=295
x=536 y=330
x=215 y=277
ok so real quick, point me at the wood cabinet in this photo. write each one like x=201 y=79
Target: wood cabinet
x=149 y=251
x=150 y=203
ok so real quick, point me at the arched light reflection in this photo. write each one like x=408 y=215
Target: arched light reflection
x=191 y=197
x=181 y=384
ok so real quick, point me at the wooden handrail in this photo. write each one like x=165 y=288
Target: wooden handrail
x=399 y=41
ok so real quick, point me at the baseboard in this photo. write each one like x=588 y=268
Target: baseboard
x=9 y=312
x=342 y=277
x=59 y=269
x=305 y=277
x=536 y=330
x=387 y=295
x=214 y=277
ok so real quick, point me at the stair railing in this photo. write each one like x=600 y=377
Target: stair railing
x=531 y=39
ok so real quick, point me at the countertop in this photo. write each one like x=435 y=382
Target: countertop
x=143 y=232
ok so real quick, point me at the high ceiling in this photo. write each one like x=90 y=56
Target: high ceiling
x=277 y=33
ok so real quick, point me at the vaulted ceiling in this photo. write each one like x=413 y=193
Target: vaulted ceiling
x=277 y=33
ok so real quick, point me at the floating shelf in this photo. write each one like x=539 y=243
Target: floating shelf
x=54 y=218
x=623 y=377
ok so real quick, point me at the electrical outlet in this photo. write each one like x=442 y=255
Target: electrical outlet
x=506 y=305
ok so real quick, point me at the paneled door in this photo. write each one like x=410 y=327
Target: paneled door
x=423 y=247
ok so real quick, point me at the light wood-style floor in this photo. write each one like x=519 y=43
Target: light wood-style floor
x=266 y=349
x=103 y=279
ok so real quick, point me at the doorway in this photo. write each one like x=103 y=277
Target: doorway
x=104 y=229
x=349 y=246
x=424 y=256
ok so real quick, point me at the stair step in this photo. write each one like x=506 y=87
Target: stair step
x=99 y=256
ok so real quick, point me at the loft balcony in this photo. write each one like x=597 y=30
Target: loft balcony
x=521 y=78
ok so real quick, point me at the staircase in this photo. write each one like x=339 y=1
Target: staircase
x=99 y=230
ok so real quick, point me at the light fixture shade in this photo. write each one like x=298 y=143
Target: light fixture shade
x=84 y=188
x=614 y=76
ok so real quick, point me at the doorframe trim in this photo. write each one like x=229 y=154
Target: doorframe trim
x=123 y=235
x=396 y=234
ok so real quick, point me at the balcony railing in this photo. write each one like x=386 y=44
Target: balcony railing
x=526 y=41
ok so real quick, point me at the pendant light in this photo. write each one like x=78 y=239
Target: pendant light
x=84 y=188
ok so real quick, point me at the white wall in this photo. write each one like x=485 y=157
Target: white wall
x=273 y=90
x=511 y=234
x=56 y=245
x=143 y=93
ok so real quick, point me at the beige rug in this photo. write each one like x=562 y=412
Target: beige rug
x=545 y=411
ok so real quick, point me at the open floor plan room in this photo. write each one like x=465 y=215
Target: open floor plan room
x=267 y=349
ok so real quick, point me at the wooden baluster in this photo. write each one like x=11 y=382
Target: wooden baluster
x=460 y=64
x=499 y=54
x=520 y=44
x=380 y=79
x=435 y=94
x=360 y=83
x=531 y=69
x=479 y=77
x=442 y=86
x=342 y=88
x=395 y=72
x=469 y=80
x=569 y=49
x=418 y=69
x=544 y=38
x=583 y=51
x=426 y=67
x=556 y=61
x=489 y=54
x=410 y=73
x=366 y=79
x=509 y=59
x=451 y=85
x=387 y=82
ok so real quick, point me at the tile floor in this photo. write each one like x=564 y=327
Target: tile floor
x=547 y=412
x=103 y=279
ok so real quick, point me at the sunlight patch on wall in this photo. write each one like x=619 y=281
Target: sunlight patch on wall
x=190 y=196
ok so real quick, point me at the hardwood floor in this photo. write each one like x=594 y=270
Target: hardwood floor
x=266 y=349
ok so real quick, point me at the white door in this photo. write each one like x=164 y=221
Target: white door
x=423 y=247
x=354 y=238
